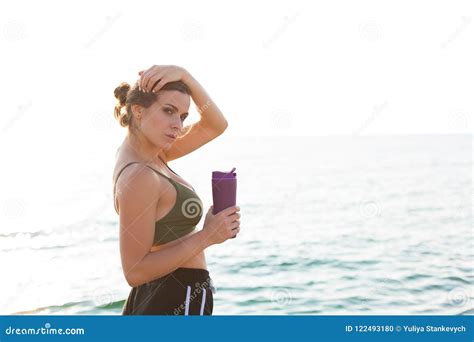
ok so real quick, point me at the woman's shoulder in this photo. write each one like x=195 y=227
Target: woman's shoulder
x=129 y=168
x=136 y=186
x=136 y=175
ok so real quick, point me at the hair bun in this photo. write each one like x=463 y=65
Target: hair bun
x=121 y=93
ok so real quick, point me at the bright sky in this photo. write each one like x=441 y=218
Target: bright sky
x=273 y=67
x=277 y=68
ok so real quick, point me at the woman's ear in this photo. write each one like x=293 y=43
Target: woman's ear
x=137 y=111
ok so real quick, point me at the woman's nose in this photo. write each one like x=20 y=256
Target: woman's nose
x=177 y=122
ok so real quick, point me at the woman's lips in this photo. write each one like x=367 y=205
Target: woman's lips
x=171 y=136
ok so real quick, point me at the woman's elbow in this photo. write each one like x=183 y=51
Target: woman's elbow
x=221 y=128
x=226 y=124
x=133 y=279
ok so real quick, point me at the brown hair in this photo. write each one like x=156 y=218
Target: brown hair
x=128 y=96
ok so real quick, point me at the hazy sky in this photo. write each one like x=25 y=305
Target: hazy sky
x=273 y=67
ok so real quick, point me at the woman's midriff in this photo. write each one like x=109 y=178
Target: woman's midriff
x=198 y=261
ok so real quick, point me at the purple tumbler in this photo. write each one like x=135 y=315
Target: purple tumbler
x=224 y=190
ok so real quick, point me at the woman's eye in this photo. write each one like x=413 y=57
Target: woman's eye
x=169 y=110
x=184 y=117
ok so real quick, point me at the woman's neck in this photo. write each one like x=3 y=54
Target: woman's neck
x=143 y=149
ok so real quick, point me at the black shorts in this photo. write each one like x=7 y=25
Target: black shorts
x=186 y=291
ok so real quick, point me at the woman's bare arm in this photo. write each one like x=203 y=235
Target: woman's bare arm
x=212 y=122
x=159 y=263
x=138 y=193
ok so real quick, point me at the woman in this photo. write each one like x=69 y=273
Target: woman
x=161 y=251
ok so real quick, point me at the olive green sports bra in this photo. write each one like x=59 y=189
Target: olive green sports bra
x=182 y=218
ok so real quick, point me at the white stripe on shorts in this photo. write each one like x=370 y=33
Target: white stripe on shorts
x=203 y=301
x=186 y=303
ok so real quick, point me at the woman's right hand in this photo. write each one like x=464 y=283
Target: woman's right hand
x=222 y=226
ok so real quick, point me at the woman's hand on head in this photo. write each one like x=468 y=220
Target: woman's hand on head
x=157 y=76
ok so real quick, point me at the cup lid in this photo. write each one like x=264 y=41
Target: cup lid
x=220 y=174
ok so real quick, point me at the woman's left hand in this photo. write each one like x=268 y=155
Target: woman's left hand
x=158 y=75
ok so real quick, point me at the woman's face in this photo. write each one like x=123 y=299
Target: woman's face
x=164 y=117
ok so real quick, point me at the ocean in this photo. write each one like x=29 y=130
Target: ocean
x=341 y=225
